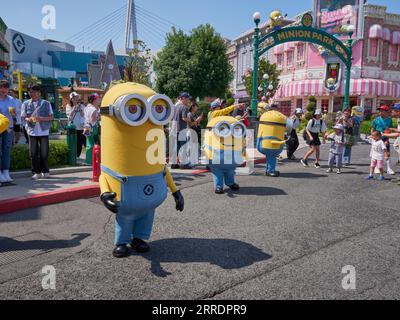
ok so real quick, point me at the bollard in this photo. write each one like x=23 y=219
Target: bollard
x=72 y=144
x=96 y=163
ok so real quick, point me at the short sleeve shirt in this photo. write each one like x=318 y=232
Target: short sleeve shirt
x=378 y=150
x=381 y=124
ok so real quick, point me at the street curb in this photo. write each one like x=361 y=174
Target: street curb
x=54 y=172
x=48 y=198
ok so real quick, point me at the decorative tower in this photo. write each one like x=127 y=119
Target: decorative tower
x=131 y=27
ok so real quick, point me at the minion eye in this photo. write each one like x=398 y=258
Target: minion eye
x=159 y=112
x=239 y=131
x=134 y=112
x=223 y=130
x=131 y=110
x=162 y=109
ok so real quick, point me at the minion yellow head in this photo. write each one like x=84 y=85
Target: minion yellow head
x=276 y=18
x=225 y=133
x=273 y=126
x=133 y=117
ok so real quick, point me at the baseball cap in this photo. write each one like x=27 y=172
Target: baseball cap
x=396 y=107
x=318 y=112
x=215 y=104
x=339 y=127
x=384 y=108
x=73 y=95
x=185 y=95
x=299 y=111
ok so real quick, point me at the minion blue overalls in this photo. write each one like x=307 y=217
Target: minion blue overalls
x=140 y=197
x=271 y=154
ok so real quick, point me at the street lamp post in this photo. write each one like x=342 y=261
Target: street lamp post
x=256 y=43
x=350 y=31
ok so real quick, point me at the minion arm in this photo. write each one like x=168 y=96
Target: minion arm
x=223 y=112
x=104 y=186
x=4 y=123
x=170 y=182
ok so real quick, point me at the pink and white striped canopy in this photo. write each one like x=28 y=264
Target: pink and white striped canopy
x=363 y=87
x=376 y=31
x=396 y=37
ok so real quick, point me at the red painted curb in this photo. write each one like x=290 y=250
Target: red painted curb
x=48 y=198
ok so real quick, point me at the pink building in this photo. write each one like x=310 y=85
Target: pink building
x=375 y=73
x=375 y=76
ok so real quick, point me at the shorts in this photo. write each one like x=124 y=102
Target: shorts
x=17 y=128
x=316 y=141
x=377 y=163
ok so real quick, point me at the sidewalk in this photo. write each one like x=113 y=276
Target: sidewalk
x=68 y=184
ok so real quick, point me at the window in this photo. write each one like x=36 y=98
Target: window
x=300 y=52
x=393 y=53
x=299 y=103
x=286 y=107
x=289 y=57
x=373 y=48
x=279 y=59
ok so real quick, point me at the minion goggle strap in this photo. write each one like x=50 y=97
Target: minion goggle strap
x=225 y=129
x=288 y=125
x=158 y=109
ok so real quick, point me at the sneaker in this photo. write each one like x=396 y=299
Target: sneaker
x=339 y=171
x=46 y=175
x=175 y=167
x=219 y=191
x=36 y=176
x=370 y=178
x=391 y=173
x=304 y=162
x=381 y=178
x=317 y=165
x=330 y=170
x=2 y=178
x=6 y=175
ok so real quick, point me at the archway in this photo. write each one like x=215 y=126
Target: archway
x=304 y=33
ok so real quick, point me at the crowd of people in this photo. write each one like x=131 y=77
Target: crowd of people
x=33 y=117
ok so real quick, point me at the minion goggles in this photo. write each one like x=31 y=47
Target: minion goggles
x=224 y=129
x=135 y=115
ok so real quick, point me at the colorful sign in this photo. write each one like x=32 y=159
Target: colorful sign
x=333 y=14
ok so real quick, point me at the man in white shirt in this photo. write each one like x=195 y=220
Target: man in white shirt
x=38 y=115
x=18 y=118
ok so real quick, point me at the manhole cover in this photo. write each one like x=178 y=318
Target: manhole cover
x=24 y=247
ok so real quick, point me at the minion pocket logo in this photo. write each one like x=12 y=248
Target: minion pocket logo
x=148 y=190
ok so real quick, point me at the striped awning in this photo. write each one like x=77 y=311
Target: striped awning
x=366 y=87
x=373 y=87
x=396 y=37
x=387 y=35
x=376 y=31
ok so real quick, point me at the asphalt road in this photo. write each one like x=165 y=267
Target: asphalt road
x=286 y=238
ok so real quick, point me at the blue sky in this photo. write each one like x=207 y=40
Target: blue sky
x=230 y=17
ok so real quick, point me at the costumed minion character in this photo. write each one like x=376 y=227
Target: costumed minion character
x=225 y=150
x=133 y=183
x=4 y=123
x=276 y=20
x=271 y=138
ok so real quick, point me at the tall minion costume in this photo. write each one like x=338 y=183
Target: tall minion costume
x=224 y=146
x=131 y=185
x=4 y=123
x=271 y=138
x=276 y=20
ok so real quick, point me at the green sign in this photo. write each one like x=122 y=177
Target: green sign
x=306 y=34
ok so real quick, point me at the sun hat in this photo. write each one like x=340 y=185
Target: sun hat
x=299 y=111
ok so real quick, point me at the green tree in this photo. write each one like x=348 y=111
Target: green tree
x=171 y=65
x=196 y=63
x=138 y=64
x=264 y=67
x=209 y=63
x=311 y=107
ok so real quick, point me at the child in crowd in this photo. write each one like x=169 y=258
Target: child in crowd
x=336 y=150
x=379 y=153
